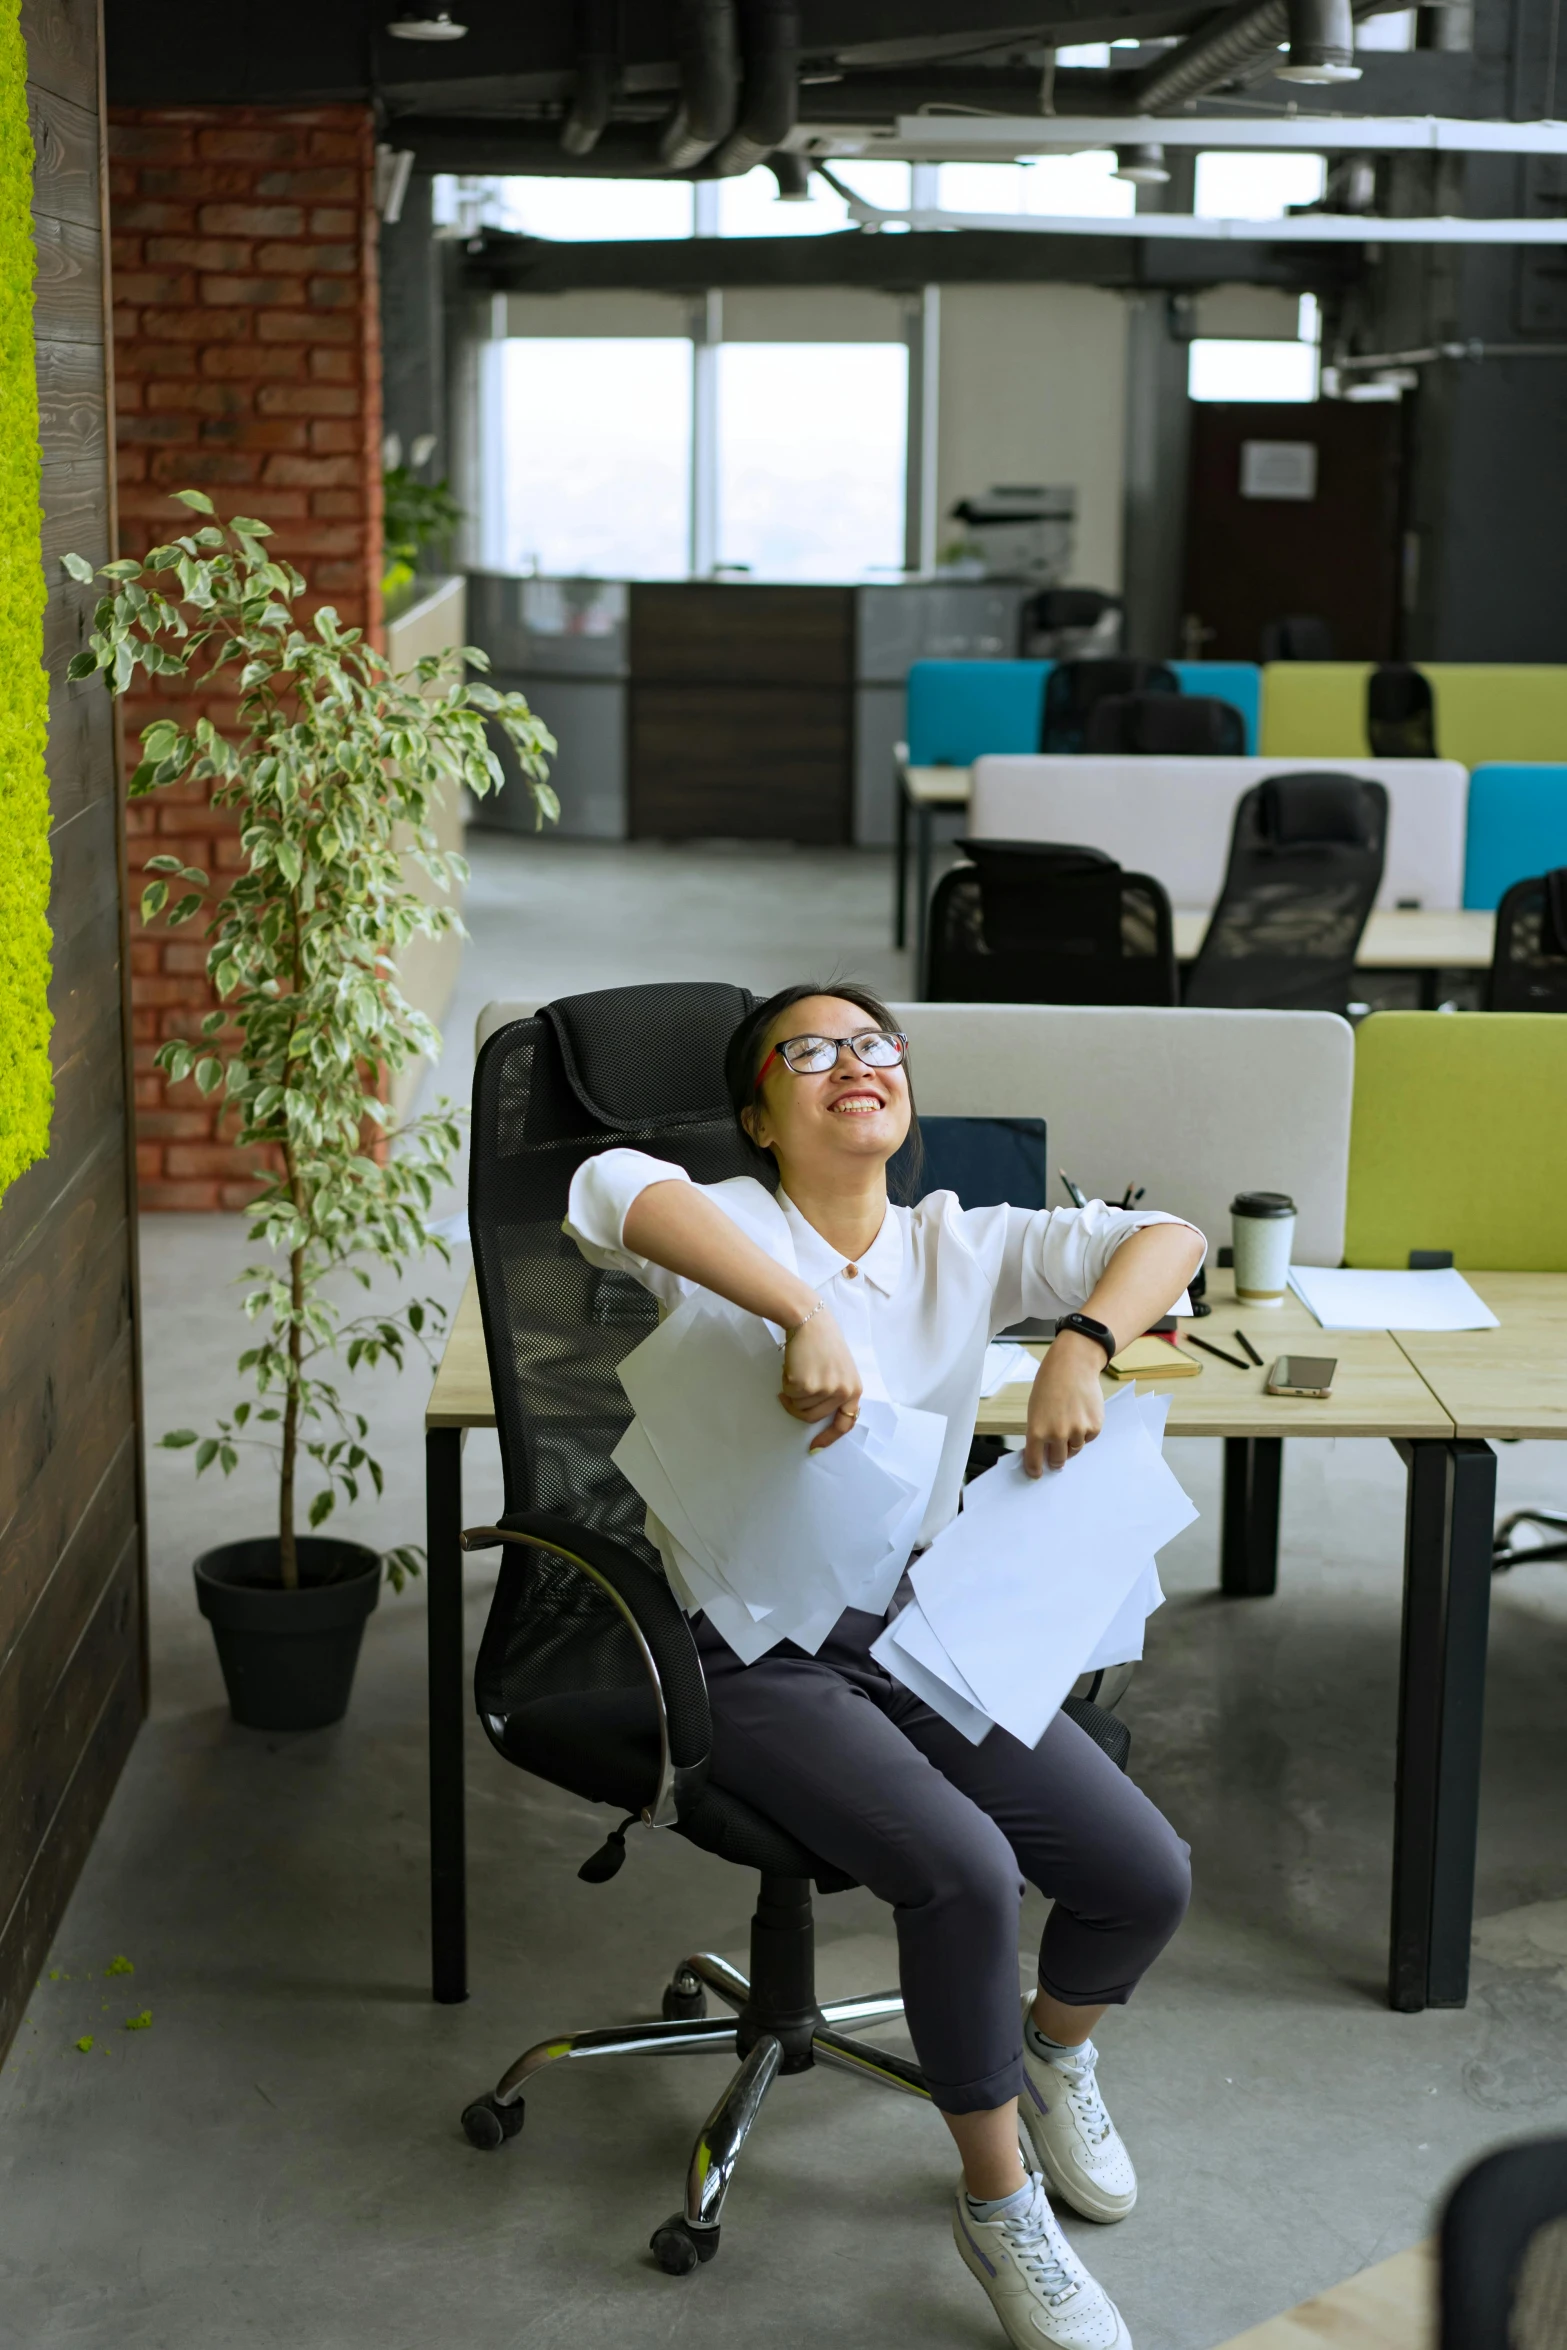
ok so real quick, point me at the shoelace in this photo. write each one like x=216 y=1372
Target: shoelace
x=1083 y=2095
x=1040 y=2250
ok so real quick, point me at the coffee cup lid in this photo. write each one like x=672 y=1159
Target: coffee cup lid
x=1262 y=1203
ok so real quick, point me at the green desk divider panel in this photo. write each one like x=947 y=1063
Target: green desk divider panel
x=26 y=1081
x=1316 y=710
x=1491 y=710
x=1458 y=1139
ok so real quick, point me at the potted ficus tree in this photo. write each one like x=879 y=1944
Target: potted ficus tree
x=331 y=767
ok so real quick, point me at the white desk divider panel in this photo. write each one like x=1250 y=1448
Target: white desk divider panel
x=1195 y=1104
x=1172 y=817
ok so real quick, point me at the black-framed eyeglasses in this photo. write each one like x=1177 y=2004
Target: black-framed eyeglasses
x=812 y=1056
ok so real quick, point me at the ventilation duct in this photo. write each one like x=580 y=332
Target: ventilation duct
x=770 y=50
x=708 y=57
x=598 y=70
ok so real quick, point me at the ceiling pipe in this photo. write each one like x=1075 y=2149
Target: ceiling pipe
x=598 y=71
x=1242 y=42
x=707 y=53
x=770 y=51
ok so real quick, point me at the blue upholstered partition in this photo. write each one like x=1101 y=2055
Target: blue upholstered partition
x=960 y=710
x=1517 y=827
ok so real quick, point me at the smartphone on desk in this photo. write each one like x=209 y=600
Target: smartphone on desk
x=1303 y=1375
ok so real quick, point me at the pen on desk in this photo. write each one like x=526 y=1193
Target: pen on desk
x=1078 y=1199
x=1241 y=1339
x=1236 y=1360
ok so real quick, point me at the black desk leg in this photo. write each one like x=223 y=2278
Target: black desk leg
x=1249 y=1542
x=923 y=821
x=900 y=871
x=1441 y=1705
x=448 y=1854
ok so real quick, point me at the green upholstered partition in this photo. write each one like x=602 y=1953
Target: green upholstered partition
x=1458 y=1139
x=1316 y=709
x=1494 y=710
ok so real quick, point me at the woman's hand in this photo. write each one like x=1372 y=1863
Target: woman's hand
x=821 y=1380
x=1066 y=1408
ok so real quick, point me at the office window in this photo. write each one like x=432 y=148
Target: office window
x=750 y=206
x=811 y=459
x=588 y=210
x=1394 y=29
x=1224 y=370
x=591 y=440
x=1232 y=186
x=1079 y=185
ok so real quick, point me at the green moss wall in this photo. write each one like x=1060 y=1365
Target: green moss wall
x=26 y=1084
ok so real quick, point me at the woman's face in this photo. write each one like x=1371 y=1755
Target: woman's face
x=848 y=1112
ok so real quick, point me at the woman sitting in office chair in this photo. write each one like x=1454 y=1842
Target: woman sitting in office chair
x=884 y=1300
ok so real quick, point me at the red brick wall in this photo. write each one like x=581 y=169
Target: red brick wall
x=247 y=363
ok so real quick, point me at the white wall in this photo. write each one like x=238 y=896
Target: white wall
x=1033 y=388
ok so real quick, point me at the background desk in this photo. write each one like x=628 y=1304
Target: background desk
x=1389 y=2307
x=1447 y=1570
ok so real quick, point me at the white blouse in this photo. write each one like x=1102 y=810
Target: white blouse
x=918 y=1308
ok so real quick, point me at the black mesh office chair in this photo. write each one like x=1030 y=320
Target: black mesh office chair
x=1400 y=712
x=1296 y=636
x=1305 y=866
x=1529 y=959
x=587 y=1674
x=1073 y=687
x=1029 y=922
x=1504 y=2252
x=1069 y=624
x=1168 y=726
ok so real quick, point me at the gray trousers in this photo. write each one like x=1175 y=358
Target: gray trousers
x=866 y=1776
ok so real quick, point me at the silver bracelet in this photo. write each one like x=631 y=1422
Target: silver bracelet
x=795 y=1328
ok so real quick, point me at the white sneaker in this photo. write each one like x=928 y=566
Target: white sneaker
x=1040 y=2289
x=1076 y=2144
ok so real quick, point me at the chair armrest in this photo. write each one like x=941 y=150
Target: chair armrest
x=656 y=1622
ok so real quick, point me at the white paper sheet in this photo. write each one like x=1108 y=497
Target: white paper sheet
x=911 y=1653
x=1007 y=1365
x=1025 y=1586
x=1345 y=1298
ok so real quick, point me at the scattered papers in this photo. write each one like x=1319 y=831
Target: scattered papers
x=1007 y=1365
x=1342 y=1299
x=771 y=1540
x=1040 y=1580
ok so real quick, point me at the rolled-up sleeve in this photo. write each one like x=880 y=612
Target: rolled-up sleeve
x=600 y=1199
x=1052 y=1259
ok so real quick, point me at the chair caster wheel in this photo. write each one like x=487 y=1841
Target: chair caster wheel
x=681 y=2006
x=488 y=2125
x=677 y=2246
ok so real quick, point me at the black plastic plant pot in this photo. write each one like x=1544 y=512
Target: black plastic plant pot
x=288 y=1657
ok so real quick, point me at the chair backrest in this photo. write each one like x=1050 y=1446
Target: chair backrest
x=1503 y=2272
x=1032 y=922
x=1299 y=636
x=1529 y=961
x=1517 y=826
x=1197 y=1105
x=1073 y=687
x=1165 y=726
x=635 y=1066
x=1459 y=1139
x=1305 y=865
x=1174 y=817
x=1400 y=712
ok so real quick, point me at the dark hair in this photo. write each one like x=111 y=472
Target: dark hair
x=743 y=1057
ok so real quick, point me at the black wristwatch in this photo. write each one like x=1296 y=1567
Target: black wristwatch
x=1086 y=1327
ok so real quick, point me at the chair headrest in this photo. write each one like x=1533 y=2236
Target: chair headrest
x=1044 y=855
x=649 y=1056
x=1297 y=809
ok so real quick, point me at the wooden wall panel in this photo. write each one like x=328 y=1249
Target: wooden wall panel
x=72 y=1681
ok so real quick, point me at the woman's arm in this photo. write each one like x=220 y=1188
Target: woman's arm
x=677 y=1227
x=1142 y=1281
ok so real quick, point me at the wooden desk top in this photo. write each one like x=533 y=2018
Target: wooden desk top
x=939 y=787
x=461 y=1395
x=1507 y=1382
x=1397 y=938
x=1389 y=2307
x=1377 y=1391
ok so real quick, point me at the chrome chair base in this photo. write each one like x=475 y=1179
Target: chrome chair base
x=767 y=2043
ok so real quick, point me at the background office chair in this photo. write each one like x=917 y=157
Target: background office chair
x=1297 y=636
x=1305 y=866
x=1167 y=726
x=1504 y=2252
x=1400 y=712
x=1069 y=624
x=1028 y=922
x=587 y=1673
x=1073 y=687
x=1529 y=959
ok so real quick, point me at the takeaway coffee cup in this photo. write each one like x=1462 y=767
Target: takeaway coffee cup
x=1262 y=1224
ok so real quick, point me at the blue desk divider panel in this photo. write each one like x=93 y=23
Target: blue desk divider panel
x=1237 y=682
x=960 y=710
x=1517 y=827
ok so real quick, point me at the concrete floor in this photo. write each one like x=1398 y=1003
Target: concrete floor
x=276 y=2160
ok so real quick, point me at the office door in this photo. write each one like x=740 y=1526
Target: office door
x=1293 y=508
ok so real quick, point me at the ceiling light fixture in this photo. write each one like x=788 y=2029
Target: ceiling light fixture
x=1143 y=165
x=439 y=27
x=1321 y=44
